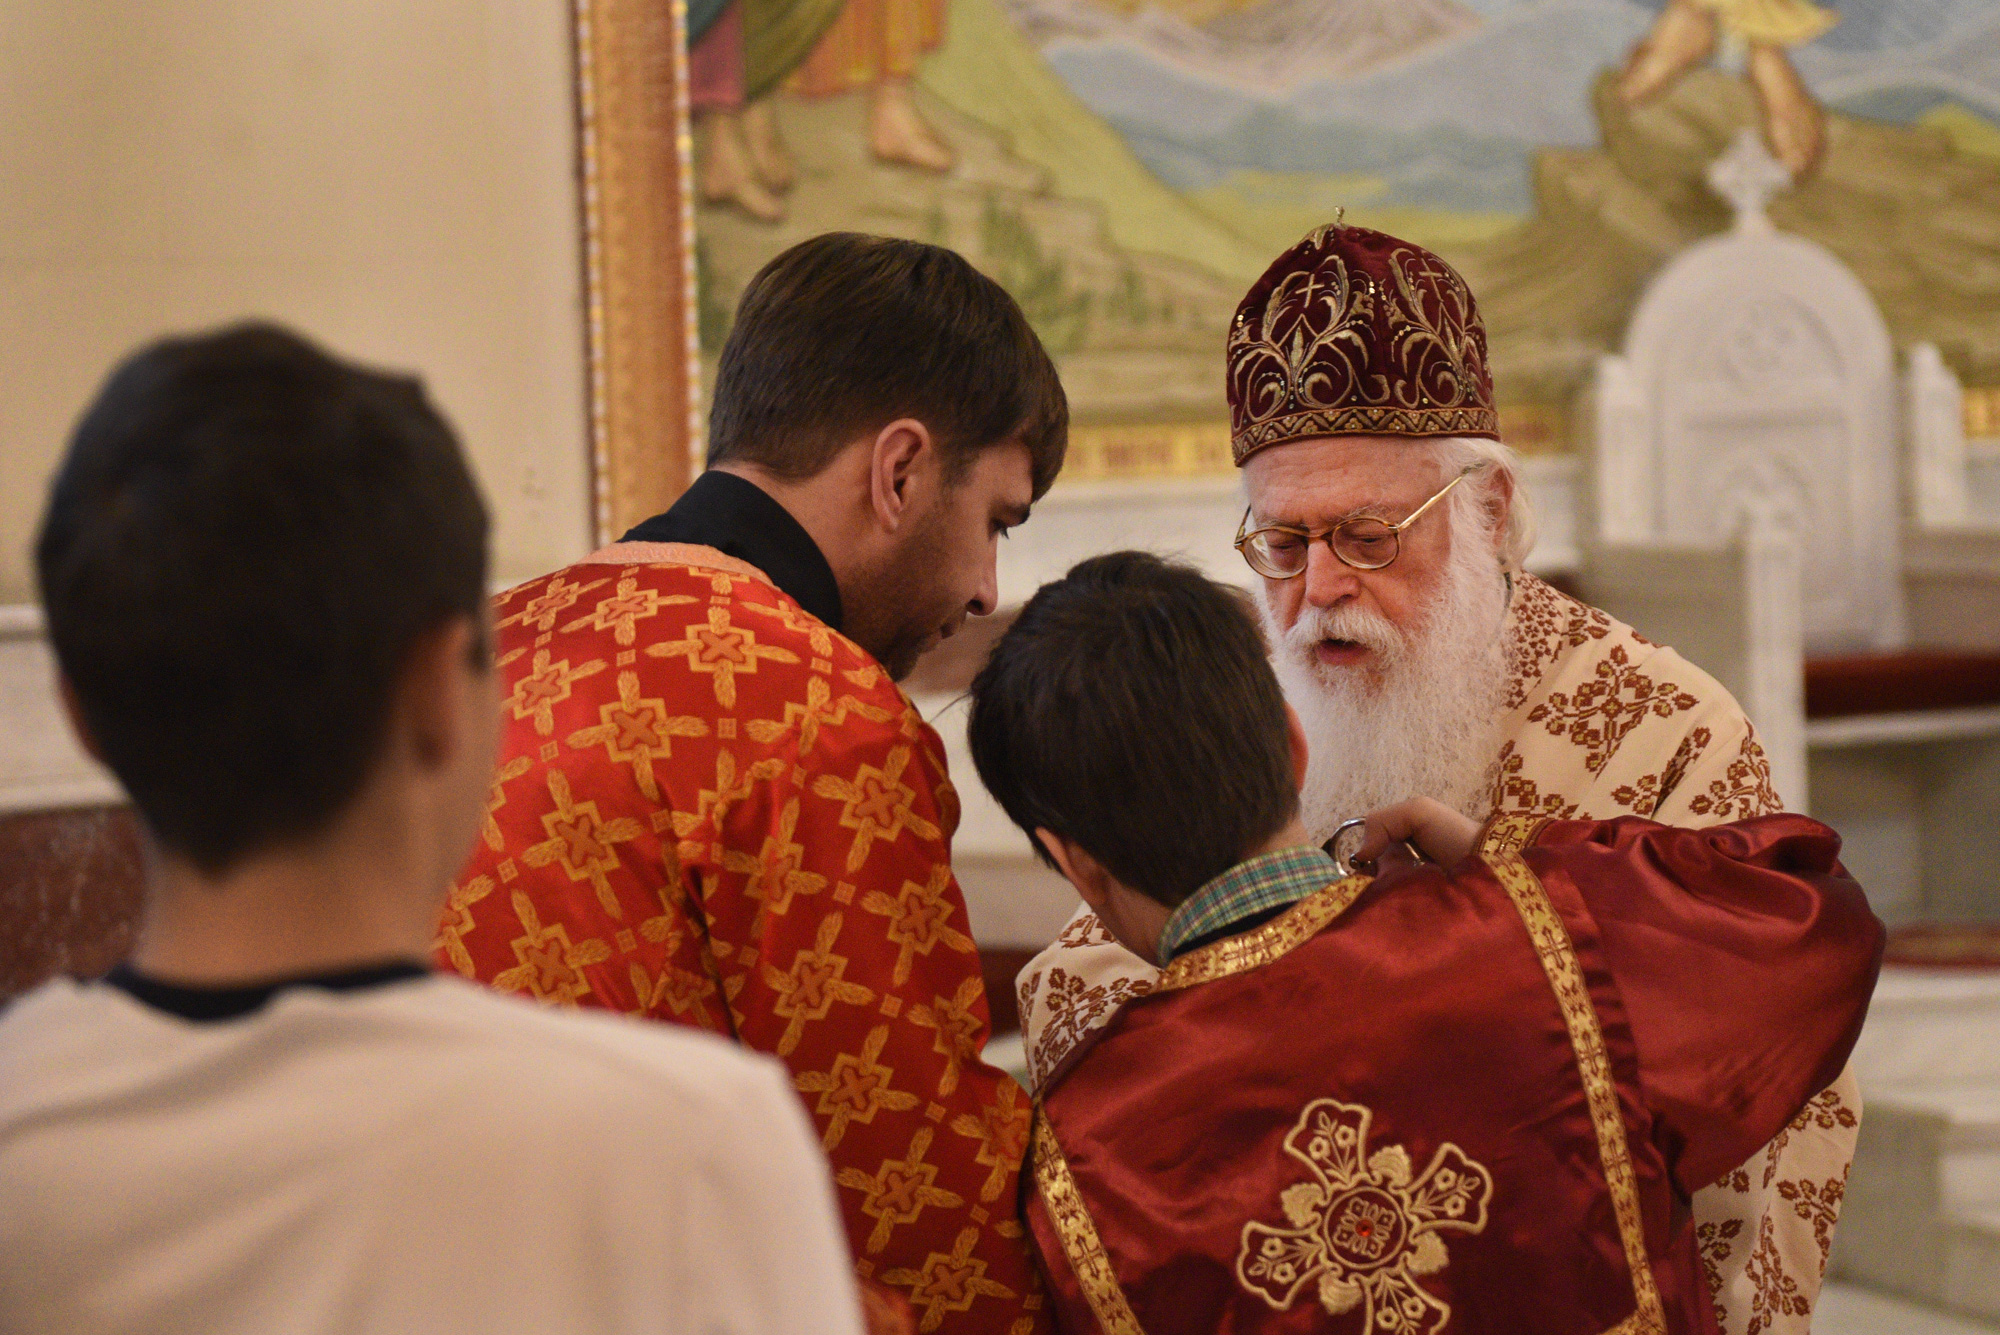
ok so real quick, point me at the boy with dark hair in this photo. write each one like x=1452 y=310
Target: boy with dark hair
x=1476 y=1093
x=714 y=805
x=263 y=571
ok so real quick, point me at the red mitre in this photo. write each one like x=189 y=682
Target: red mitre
x=1355 y=333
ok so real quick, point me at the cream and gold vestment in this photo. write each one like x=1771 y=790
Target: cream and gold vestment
x=1599 y=723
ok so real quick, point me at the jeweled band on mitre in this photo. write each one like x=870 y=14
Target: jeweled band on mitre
x=1366 y=422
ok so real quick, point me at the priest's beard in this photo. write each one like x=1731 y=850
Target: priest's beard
x=1420 y=720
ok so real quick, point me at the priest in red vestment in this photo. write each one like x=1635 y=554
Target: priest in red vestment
x=714 y=806
x=1470 y=1097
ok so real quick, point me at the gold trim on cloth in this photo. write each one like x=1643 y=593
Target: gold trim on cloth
x=673 y=554
x=1274 y=939
x=1081 y=1245
x=1509 y=832
x=1558 y=955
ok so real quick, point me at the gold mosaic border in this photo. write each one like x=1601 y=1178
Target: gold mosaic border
x=1148 y=450
x=1981 y=406
x=1565 y=974
x=636 y=169
x=1081 y=1243
x=1129 y=451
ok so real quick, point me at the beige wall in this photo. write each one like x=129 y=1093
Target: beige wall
x=393 y=177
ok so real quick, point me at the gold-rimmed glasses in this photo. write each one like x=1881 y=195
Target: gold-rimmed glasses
x=1279 y=551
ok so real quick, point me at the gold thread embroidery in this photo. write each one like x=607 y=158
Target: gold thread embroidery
x=1274 y=939
x=1081 y=1245
x=1361 y=421
x=1509 y=832
x=1363 y=1229
x=1333 y=351
x=1558 y=955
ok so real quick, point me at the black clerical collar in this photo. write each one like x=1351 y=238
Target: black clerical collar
x=738 y=518
x=229 y=1003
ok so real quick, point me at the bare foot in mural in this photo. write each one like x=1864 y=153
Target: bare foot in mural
x=1683 y=36
x=1794 y=125
x=723 y=170
x=897 y=131
x=768 y=153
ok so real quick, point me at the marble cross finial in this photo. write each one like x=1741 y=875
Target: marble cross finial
x=1748 y=176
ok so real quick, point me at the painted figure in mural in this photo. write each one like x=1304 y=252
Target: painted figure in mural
x=742 y=51
x=1389 y=531
x=1471 y=1096
x=714 y=806
x=739 y=158
x=1686 y=34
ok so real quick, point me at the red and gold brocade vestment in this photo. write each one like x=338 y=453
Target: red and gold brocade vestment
x=1599 y=722
x=1471 y=1101
x=713 y=810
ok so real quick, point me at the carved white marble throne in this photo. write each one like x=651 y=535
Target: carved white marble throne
x=1749 y=508
x=1758 y=385
x=1752 y=416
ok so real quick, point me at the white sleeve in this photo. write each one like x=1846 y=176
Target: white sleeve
x=766 y=1251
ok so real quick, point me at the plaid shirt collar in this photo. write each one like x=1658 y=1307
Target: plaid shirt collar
x=1268 y=881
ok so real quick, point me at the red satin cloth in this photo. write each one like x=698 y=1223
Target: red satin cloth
x=1729 y=970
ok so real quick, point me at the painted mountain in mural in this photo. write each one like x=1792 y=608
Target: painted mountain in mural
x=1127 y=199
x=1127 y=281
x=1450 y=128
x=1265 y=48
x=1452 y=124
x=1912 y=210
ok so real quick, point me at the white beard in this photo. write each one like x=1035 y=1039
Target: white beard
x=1422 y=722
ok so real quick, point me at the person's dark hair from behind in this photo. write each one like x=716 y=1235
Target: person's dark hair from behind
x=844 y=333
x=242 y=546
x=1131 y=710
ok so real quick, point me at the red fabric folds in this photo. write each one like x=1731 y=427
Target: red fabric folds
x=1433 y=1025
x=1737 y=950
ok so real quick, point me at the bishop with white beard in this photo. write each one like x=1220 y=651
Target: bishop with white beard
x=1388 y=528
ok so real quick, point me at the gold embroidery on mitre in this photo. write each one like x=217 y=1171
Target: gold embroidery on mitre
x=1593 y=1062
x=1363 y=1229
x=1305 y=363
x=1318 y=235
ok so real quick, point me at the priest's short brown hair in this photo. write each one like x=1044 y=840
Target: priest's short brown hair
x=1130 y=709
x=844 y=333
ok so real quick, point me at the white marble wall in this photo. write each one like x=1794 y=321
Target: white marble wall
x=1014 y=901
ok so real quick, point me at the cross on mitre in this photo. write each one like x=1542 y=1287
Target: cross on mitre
x=1748 y=176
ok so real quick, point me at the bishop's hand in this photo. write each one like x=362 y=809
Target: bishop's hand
x=1432 y=828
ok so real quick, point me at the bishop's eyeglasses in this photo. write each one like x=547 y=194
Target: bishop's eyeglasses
x=1279 y=551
